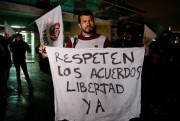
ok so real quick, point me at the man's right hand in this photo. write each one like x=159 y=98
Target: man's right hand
x=42 y=51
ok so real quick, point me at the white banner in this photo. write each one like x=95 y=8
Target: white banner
x=8 y=30
x=50 y=28
x=96 y=84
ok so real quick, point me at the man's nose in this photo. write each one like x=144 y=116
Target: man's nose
x=88 y=22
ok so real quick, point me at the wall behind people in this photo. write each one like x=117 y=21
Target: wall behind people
x=104 y=29
x=74 y=29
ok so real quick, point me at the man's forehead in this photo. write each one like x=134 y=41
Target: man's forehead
x=86 y=17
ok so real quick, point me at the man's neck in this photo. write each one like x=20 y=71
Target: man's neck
x=86 y=35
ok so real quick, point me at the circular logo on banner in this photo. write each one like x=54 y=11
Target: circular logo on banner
x=54 y=31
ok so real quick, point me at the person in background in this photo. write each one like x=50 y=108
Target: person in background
x=157 y=73
x=88 y=38
x=18 y=49
x=5 y=43
x=125 y=38
x=5 y=65
x=3 y=56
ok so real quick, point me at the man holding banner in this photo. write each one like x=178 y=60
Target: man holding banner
x=92 y=83
x=88 y=38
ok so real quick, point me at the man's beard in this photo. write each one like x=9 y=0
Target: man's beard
x=90 y=31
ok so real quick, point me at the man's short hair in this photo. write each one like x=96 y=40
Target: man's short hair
x=19 y=35
x=85 y=12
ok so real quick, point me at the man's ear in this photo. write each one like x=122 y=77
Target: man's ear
x=79 y=26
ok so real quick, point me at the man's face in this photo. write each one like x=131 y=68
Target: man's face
x=18 y=38
x=54 y=31
x=87 y=24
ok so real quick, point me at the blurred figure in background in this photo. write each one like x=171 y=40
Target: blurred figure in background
x=125 y=39
x=5 y=43
x=3 y=57
x=5 y=65
x=18 y=49
x=160 y=65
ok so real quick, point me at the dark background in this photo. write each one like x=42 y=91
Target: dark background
x=165 y=12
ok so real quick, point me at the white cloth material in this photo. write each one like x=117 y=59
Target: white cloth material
x=148 y=35
x=8 y=30
x=94 y=43
x=46 y=26
x=96 y=84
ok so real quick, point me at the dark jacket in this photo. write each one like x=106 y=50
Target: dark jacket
x=18 y=49
x=5 y=57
